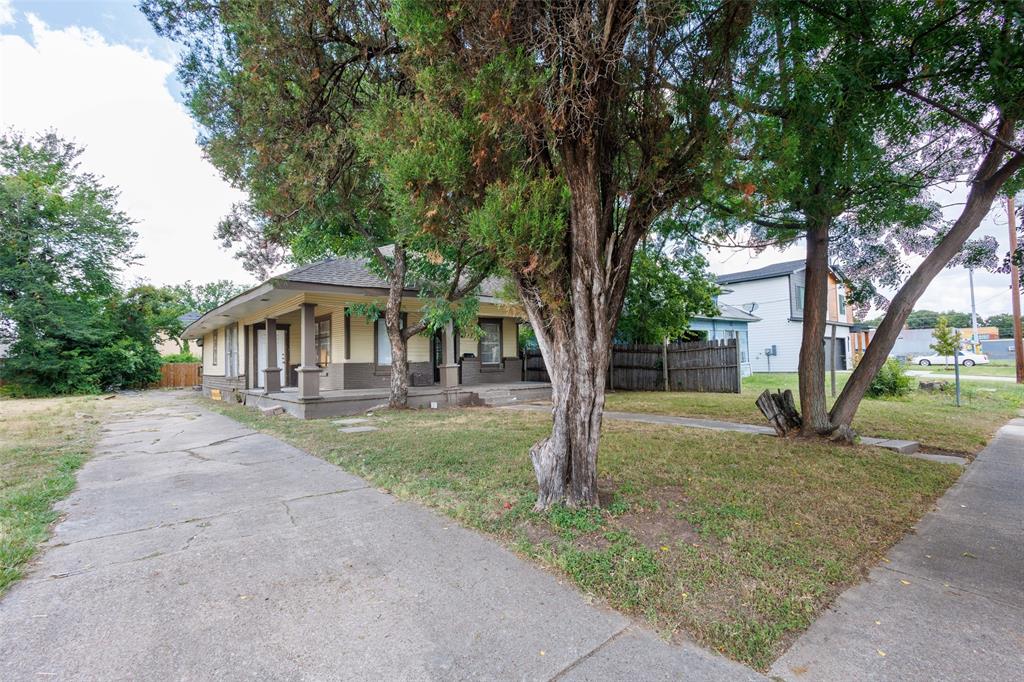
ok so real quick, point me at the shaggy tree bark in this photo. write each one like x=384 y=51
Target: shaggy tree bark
x=575 y=335
x=991 y=176
x=399 y=396
x=813 y=408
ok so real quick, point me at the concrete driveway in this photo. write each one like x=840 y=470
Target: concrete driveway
x=195 y=548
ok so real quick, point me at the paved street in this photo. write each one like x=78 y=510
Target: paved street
x=195 y=548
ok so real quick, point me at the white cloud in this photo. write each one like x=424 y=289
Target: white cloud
x=6 y=13
x=113 y=100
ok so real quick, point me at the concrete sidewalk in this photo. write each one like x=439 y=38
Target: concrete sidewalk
x=904 y=447
x=195 y=548
x=948 y=604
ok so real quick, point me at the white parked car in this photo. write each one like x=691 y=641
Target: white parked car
x=967 y=359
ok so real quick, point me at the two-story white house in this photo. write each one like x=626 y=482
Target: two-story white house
x=775 y=293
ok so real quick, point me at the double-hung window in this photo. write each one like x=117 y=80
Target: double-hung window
x=490 y=342
x=384 y=342
x=323 y=341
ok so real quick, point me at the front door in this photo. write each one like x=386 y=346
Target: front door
x=437 y=354
x=261 y=354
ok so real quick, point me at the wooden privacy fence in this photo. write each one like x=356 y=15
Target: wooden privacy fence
x=702 y=366
x=180 y=374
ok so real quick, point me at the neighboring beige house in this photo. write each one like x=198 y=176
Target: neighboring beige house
x=289 y=342
x=172 y=345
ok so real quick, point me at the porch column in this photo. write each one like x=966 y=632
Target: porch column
x=309 y=371
x=272 y=374
x=449 y=363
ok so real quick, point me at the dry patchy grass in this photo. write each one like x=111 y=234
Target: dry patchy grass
x=42 y=443
x=734 y=539
x=929 y=418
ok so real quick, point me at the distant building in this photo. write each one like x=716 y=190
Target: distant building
x=731 y=322
x=776 y=295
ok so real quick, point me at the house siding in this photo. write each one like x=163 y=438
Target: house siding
x=781 y=322
x=473 y=374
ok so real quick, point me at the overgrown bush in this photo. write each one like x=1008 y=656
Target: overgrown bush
x=890 y=382
x=183 y=356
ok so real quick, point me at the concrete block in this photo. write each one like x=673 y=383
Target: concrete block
x=351 y=421
x=271 y=410
x=358 y=429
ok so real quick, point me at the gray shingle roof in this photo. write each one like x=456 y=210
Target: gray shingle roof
x=188 y=318
x=354 y=272
x=776 y=270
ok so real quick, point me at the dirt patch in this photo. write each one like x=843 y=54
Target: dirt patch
x=657 y=528
x=538 y=533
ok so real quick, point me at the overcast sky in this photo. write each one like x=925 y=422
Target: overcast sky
x=97 y=73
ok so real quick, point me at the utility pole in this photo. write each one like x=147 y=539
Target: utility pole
x=974 y=314
x=1018 y=343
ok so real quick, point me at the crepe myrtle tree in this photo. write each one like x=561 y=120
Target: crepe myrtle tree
x=825 y=153
x=858 y=110
x=966 y=63
x=277 y=90
x=588 y=120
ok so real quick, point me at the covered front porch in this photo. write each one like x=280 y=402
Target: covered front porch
x=345 y=402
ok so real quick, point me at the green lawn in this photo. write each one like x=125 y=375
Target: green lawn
x=42 y=443
x=734 y=539
x=930 y=418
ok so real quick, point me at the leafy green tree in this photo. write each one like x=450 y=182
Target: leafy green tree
x=1002 y=321
x=922 y=319
x=946 y=338
x=62 y=244
x=665 y=291
x=204 y=297
x=284 y=94
x=587 y=123
x=965 y=61
x=828 y=155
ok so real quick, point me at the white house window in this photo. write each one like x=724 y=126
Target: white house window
x=490 y=342
x=323 y=341
x=383 y=342
x=214 y=349
x=800 y=297
x=842 y=301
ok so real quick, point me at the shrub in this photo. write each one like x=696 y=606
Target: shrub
x=183 y=356
x=890 y=382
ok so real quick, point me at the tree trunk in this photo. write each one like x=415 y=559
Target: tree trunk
x=813 y=407
x=988 y=181
x=399 y=397
x=574 y=328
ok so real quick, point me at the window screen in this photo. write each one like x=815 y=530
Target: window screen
x=490 y=342
x=323 y=341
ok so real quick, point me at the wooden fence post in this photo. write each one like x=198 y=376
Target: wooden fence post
x=611 y=369
x=739 y=362
x=664 y=363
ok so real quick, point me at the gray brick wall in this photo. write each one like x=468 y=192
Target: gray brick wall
x=228 y=385
x=510 y=370
x=367 y=375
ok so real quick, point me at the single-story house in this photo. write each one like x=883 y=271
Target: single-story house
x=295 y=341
x=731 y=322
x=775 y=293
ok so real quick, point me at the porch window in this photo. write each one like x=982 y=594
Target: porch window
x=323 y=341
x=216 y=335
x=383 y=342
x=490 y=342
x=800 y=298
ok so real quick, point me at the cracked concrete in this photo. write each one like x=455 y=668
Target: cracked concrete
x=205 y=550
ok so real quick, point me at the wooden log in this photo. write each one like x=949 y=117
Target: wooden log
x=780 y=410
